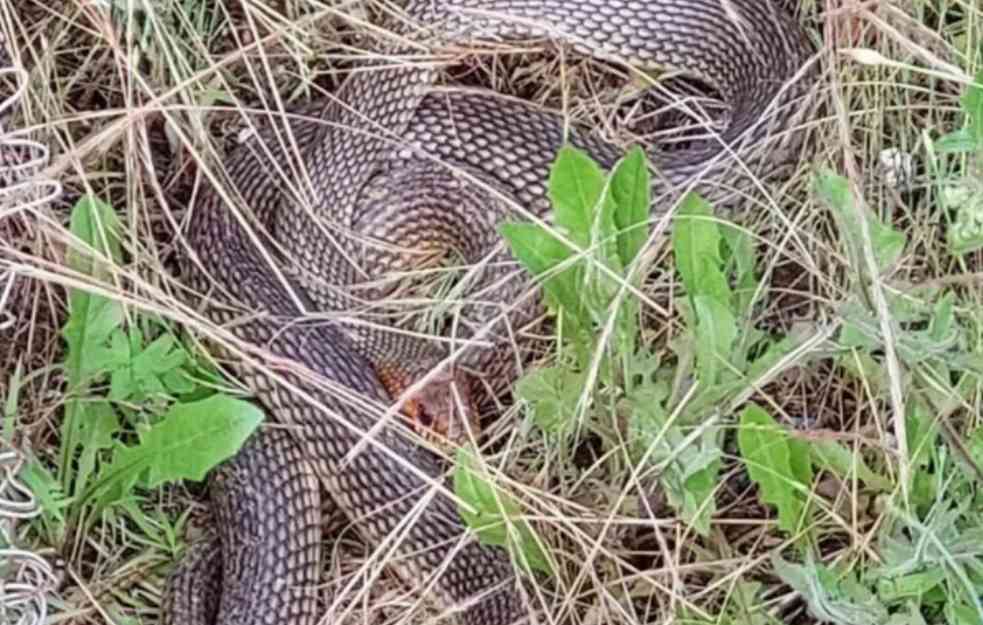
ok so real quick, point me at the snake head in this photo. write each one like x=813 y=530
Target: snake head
x=443 y=411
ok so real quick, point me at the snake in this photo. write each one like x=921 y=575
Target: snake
x=290 y=241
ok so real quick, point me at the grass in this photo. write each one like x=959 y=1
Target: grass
x=869 y=513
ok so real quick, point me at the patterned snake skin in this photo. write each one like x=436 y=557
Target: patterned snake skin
x=326 y=206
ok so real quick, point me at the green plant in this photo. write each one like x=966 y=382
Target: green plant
x=931 y=559
x=158 y=421
x=916 y=349
x=963 y=194
x=494 y=515
x=589 y=263
x=930 y=568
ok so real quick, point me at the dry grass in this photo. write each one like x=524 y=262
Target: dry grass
x=127 y=103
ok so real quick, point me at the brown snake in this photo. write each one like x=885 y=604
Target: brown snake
x=392 y=162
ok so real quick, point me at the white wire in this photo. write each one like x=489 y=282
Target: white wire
x=25 y=577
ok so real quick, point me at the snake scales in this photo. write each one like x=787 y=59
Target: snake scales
x=381 y=164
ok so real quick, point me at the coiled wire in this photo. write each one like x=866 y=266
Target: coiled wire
x=25 y=577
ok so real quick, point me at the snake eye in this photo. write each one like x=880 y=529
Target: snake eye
x=424 y=418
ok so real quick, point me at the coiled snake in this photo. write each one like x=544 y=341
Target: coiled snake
x=393 y=162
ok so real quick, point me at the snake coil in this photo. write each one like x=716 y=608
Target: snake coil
x=317 y=206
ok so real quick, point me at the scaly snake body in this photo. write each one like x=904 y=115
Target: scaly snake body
x=388 y=157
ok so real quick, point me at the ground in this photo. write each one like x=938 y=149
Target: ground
x=859 y=328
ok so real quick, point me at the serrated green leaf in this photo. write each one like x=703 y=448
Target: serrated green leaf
x=188 y=442
x=631 y=188
x=162 y=355
x=98 y=424
x=859 y=331
x=142 y=376
x=766 y=452
x=552 y=394
x=648 y=417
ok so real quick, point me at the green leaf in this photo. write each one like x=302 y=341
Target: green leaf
x=887 y=244
x=922 y=430
x=965 y=233
x=972 y=102
x=92 y=318
x=960 y=141
x=575 y=188
x=745 y=262
x=143 y=375
x=696 y=245
x=716 y=330
x=688 y=465
x=766 y=451
x=631 y=188
x=188 y=442
x=98 y=423
x=47 y=489
x=91 y=323
x=958 y=612
x=539 y=251
x=552 y=394
x=943 y=320
x=913 y=585
x=744 y=606
x=178 y=382
x=827 y=600
x=698 y=504
x=833 y=456
x=647 y=422
x=494 y=515
x=800 y=461
x=772 y=355
x=912 y=617
x=94 y=223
